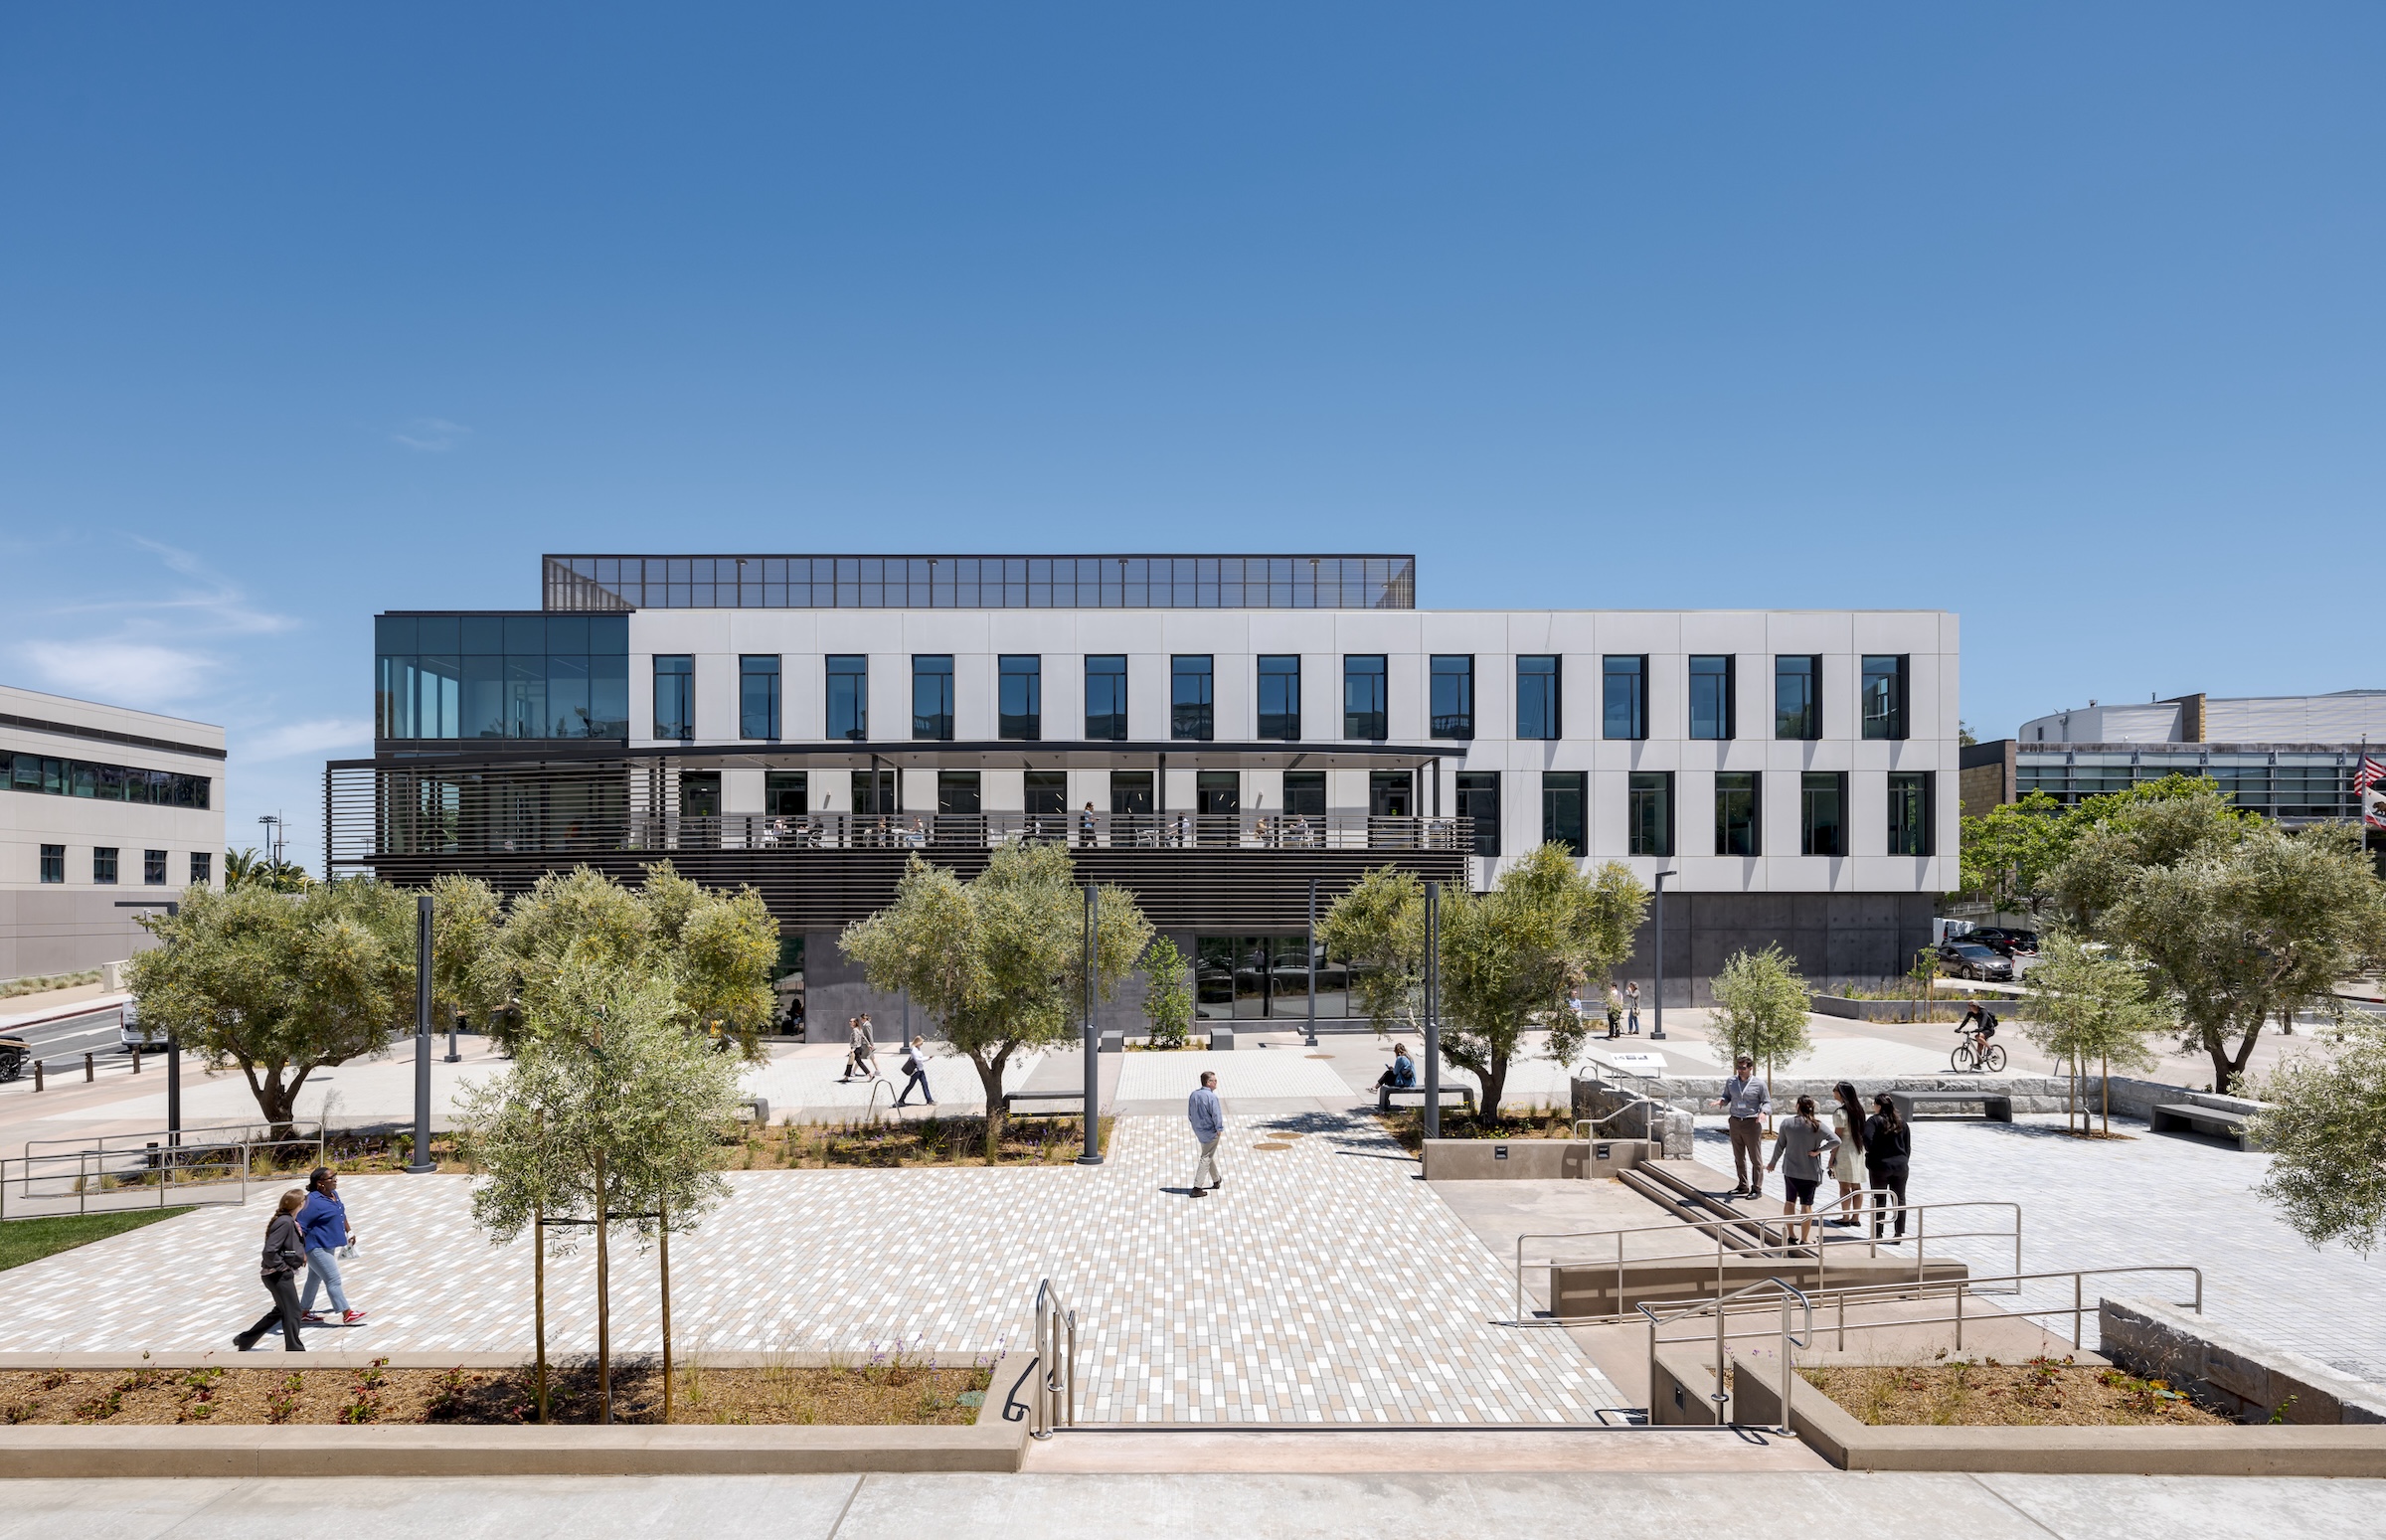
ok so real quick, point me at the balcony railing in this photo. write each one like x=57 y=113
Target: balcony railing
x=1084 y=831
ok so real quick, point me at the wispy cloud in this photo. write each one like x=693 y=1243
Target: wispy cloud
x=132 y=673
x=297 y=738
x=431 y=435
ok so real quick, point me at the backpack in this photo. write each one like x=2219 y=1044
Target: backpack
x=1987 y=1023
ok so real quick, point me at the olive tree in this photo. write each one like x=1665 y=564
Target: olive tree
x=2089 y=1001
x=280 y=985
x=608 y=1117
x=1760 y=1002
x=1168 y=994
x=1378 y=929
x=2325 y=1130
x=998 y=962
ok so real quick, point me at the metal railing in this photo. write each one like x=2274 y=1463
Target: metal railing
x=1720 y=1309
x=96 y=1178
x=1960 y=1289
x=1652 y=1125
x=1775 y=1242
x=1337 y=830
x=1054 y=1401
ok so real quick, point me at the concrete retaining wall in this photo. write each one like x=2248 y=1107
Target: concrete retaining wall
x=1475 y=1160
x=1697 y=1094
x=2229 y=1371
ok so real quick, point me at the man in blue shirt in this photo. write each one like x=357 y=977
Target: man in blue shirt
x=1208 y=1116
x=324 y=1221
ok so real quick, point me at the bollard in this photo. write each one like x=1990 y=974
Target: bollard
x=37 y=1074
x=136 y=1057
x=87 y=1068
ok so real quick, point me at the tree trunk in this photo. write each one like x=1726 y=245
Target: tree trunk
x=989 y=1078
x=605 y=1340
x=2104 y=1068
x=538 y=1297
x=1495 y=1076
x=662 y=1208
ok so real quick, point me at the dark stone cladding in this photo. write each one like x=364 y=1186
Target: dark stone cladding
x=1242 y=889
x=1830 y=936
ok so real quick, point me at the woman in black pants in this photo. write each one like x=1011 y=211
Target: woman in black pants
x=284 y=1258
x=1888 y=1146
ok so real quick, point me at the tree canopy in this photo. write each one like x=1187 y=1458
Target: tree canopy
x=1761 y=1001
x=280 y=985
x=2011 y=854
x=2325 y=1130
x=997 y=963
x=2089 y=1003
x=1168 y=994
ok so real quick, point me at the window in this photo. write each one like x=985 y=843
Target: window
x=1363 y=705
x=1189 y=698
x=1821 y=813
x=1648 y=813
x=1217 y=794
x=1562 y=811
x=1047 y=791
x=675 y=696
x=1623 y=697
x=757 y=696
x=956 y=791
x=1279 y=697
x=1736 y=829
x=1389 y=793
x=104 y=864
x=1105 y=698
x=203 y=868
x=1909 y=814
x=1884 y=697
x=1305 y=794
x=1452 y=708
x=1796 y=709
x=931 y=696
x=849 y=698
x=1020 y=712
x=153 y=868
x=1131 y=792
x=786 y=794
x=1711 y=714
x=54 y=863
x=103 y=782
x=1537 y=697
x=874 y=791
x=1478 y=798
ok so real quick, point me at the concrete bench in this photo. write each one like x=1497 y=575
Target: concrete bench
x=1222 y=1039
x=2219 y=1121
x=1995 y=1107
x=1385 y=1094
x=1011 y=1099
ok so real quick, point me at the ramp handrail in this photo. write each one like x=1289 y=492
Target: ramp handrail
x=1769 y=1226
x=1054 y=1401
x=1720 y=1309
x=166 y=1168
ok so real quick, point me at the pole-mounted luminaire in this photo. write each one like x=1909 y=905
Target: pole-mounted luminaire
x=1657 y=1031
x=421 y=1161
x=1093 y=1155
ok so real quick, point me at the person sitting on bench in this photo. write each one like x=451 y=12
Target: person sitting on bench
x=1400 y=1074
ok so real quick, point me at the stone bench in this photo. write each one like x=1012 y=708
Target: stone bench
x=1385 y=1094
x=2171 y=1117
x=1995 y=1106
x=1011 y=1099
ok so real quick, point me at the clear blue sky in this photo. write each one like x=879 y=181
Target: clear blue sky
x=2066 y=317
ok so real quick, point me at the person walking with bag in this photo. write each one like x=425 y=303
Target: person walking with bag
x=1801 y=1143
x=323 y=1222
x=915 y=1069
x=1848 y=1161
x=284 y=1255
x=1208 y=1118
x=1888 y=1147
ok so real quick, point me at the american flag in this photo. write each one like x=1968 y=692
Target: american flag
x=2367 y=781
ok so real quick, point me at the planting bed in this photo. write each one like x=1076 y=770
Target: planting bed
x=2043 y=1392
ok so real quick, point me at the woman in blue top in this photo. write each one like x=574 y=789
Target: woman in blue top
x=324 y=1221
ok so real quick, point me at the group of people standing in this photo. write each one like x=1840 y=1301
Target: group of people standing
x=1624 y=1009
x=1865 y=1151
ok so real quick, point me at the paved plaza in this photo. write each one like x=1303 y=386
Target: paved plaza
x=1324 y=1283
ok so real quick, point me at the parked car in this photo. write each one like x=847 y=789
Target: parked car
x=1968 y=960
x=14 y=1053
x=128 y=1029
x=2004 y=942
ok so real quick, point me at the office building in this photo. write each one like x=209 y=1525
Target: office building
x=1216 y=733
x=106 y=814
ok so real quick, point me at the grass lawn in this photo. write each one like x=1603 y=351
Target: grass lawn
x=30 y=1240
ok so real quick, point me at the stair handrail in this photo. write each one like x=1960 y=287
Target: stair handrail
x=1720 y=1309
x=1054 y=1401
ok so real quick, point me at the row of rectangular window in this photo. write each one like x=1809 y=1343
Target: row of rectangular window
x=106 y=783
x=105 y=861
x=1366 y=714
x=787 y=793
x=1738 y=831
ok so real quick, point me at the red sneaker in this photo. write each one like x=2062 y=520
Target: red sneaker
x=353 y=1318
x=311 y=1319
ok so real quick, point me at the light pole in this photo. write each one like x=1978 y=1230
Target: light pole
x=1093 y=1155
x=421 y=1161
x=272 y=837
x=1432 y=1019
x=1313 y=963
x=1658 y=1030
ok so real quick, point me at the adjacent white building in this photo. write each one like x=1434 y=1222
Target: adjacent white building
x=105 y=814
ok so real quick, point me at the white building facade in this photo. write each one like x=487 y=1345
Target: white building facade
x=105 y=814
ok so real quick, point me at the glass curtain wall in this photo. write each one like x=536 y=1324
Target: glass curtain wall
x=1020 y=712
x=1105 y=698
x=455 y=676
x=1279 y=697
x=1365 y=707
x=1711 y=696
x=1263 y=977
x=1450 y=712
x=1537 y=697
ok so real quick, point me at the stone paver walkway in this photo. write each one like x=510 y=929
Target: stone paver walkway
x=1324 y=1283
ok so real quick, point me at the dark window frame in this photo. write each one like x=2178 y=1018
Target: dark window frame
x=1638 y=840
x=1304 y=805
x=1814 y=834
x=203 y=868
x=776 y=786
x=1555 y=787
x=1475 y=788
x=1369 y=720
x=1808 y=717
x=1451 y=715
x=1114 y=720
x=1894 y=722
x=1922 y=790
x=1627 y=708
x=1729 y=784
x=106 y=862
x=1193 y=719
x=682 y=728
x=856 y=671
x=54 y=863
x=1553 y=693
x=752 y=677
x=1019 y=712
x=153 y=868
x=1727 y=685
x=935 y=726
x=1278 y=714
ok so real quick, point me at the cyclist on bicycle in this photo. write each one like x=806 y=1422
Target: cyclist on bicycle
x=1981 y=1024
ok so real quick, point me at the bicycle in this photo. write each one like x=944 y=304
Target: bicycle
x=1968 y=1056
